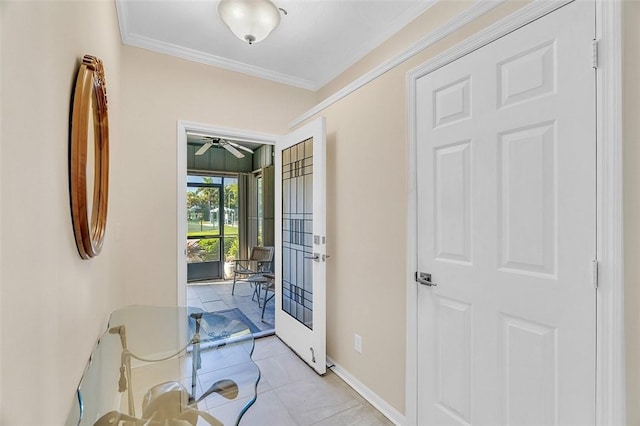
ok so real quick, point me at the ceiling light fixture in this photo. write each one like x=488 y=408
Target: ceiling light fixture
x=250 y=20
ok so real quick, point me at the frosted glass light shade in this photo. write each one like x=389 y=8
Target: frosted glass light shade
x=250 y=20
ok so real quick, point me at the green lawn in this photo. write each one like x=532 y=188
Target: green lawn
x=196 y=229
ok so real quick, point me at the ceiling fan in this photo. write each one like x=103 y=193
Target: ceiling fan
x=232 y=147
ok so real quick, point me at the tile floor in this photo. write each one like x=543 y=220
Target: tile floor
x=291 y=394
x=216 y=296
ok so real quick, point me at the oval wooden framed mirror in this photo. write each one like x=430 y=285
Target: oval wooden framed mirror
x=89 y=158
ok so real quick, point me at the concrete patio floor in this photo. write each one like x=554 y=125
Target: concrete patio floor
x=215 y=296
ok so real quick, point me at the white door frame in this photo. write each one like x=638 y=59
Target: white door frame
x=610 y=381
x=181 y=187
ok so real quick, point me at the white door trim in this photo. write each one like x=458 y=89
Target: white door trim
x=181 y=187
x=610 y=308
x=611 y=401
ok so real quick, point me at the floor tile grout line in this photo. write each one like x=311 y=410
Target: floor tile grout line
x=335 y=414
x=275 y=394
x=272 y=356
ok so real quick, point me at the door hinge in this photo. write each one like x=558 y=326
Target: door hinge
x=594 y=273
x=594 y=54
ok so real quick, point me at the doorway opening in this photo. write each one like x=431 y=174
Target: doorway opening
x=212 y=225
x=309 y=344
x=228 y=211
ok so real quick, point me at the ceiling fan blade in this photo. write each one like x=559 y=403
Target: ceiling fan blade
x=204 y=148
x=226 y=145
x=244 y=148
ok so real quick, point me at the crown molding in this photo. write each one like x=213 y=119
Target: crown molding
x=147 y=43
x=474 y=12
x=123 y=18
x=136 y=40
x=383 y=35
x=523 y=16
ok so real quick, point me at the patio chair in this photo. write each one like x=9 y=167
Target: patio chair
x=260 y=261
x=269 y=286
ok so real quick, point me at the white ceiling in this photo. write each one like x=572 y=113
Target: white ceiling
x=315 y=42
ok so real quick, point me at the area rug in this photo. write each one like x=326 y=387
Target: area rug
x=237 y=314
x=234 y=314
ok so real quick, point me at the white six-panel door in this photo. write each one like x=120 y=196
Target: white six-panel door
x=507 y=229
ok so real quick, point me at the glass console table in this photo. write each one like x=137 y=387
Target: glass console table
x=167 y=365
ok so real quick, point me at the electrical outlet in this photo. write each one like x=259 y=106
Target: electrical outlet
x=357 y=342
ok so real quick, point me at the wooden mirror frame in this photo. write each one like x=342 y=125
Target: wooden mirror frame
x=90 y=97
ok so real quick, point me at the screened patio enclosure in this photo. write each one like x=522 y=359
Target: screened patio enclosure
x=229 y=208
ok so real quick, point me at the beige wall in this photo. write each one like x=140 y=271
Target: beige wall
x=366 y=229
x=159 y=90
x=367 y=195
x=422 y=25
x=1 y=91
x=54 y=305
x=631 y=152
x=366 y=219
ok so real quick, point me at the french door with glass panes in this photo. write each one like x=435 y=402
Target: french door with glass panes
x=301 y=243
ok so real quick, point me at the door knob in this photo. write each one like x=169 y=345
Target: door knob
x=315 y=257
x=425 y=279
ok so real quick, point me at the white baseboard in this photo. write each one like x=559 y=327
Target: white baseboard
x=380 y=404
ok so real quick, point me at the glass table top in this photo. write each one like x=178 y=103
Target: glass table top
x=166 y=365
